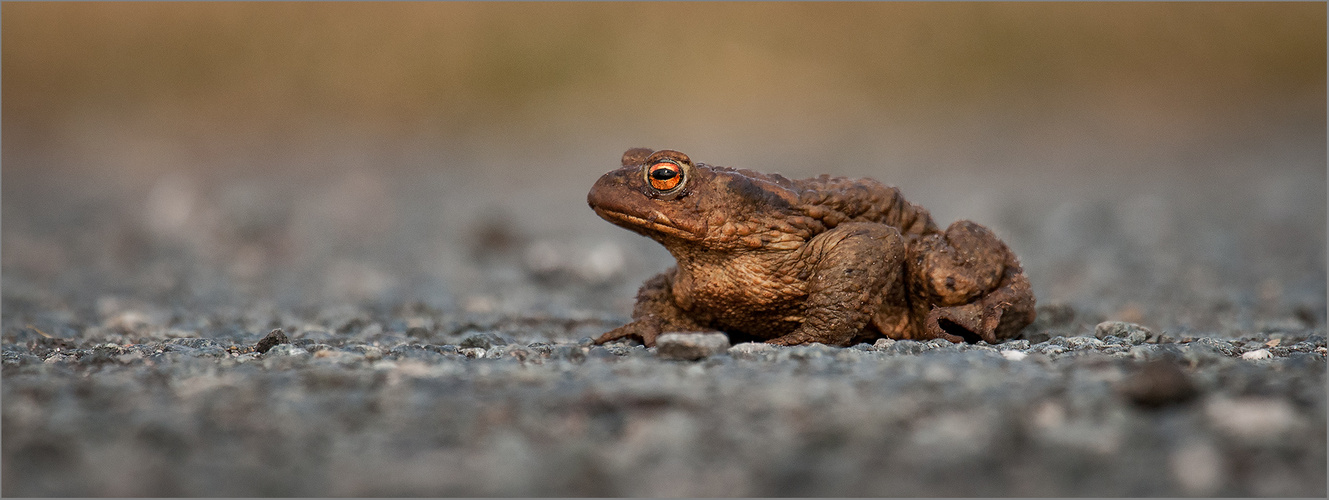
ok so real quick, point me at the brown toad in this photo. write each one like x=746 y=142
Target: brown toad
x=830 y=260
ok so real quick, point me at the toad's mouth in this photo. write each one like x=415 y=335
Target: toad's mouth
x=660 y=224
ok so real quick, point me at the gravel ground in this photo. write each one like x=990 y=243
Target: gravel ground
x=480 y=407
x=437 y=347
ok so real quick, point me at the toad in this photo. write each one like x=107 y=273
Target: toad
x=831 y=260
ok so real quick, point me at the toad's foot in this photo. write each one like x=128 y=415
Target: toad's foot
x=997 y=316
x=969 y=286
x=642 y=331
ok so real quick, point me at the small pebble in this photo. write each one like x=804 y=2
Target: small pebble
x=690 y=346
x=1220 y=346
x=1129 y=331
x=1015 y=344
x=1049 y=349
x=482 y=340
x=751 y=349
x=272 y=339
x=286 y=350
x=602 y=353
x=196 y=343
x=1013 y=355
x=1142 y=352
x=911 y=347
x=60 y=358
x=1137 y=337
x=1257 y=354
x=1082 y=342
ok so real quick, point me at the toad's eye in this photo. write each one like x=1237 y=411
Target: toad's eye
x=664 y=176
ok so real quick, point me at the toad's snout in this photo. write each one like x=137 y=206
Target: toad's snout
x=612 y=190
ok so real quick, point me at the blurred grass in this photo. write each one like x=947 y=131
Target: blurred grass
x=544 y=71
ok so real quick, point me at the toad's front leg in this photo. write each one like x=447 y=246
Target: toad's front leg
x=654 y=313
x=856 y=266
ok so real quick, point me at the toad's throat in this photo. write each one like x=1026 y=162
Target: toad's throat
x=662 y=225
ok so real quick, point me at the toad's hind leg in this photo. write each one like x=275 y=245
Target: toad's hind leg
x=967 y=285
x=853 y=263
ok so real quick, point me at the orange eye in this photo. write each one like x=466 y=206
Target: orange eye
x=664 y=176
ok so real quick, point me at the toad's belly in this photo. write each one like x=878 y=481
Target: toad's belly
x=757 y=326
x=744 y=299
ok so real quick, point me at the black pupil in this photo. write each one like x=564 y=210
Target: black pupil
x=663 y=174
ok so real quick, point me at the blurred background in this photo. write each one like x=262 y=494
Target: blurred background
x=1159 y=163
